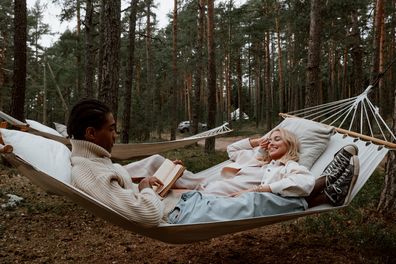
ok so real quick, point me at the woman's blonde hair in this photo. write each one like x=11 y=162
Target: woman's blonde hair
x=291 y=142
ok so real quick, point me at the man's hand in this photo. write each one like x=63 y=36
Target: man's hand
x=178 y=162
x=149 y=182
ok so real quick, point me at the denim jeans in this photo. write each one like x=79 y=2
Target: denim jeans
x=194 y=207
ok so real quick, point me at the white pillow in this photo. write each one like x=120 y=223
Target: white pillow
x=313 y=137
x=47 y=155
x=61 y=128
x=40 y=127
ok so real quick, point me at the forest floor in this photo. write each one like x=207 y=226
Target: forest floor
x=51 y=229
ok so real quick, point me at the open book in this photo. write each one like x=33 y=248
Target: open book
x=168 y=173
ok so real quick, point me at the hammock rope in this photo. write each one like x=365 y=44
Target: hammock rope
x=356 y=112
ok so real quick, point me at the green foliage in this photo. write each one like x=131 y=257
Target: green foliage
x=195 y=159
x=358 y=223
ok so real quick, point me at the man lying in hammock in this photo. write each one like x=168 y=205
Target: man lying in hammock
x=92 y=130
x=280 y=184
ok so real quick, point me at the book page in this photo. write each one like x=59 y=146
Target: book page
x=163 y=172
x=173 y=172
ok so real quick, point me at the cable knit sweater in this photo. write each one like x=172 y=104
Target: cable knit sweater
x=94 y=173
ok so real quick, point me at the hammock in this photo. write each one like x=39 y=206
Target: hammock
x=123 y=151
x=370 y=155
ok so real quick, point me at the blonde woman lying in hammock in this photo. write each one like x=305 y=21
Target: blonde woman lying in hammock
x=273 y=169
x=273 y=185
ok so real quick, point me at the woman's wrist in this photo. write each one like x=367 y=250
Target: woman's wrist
x=262 y=188
x=253 y=142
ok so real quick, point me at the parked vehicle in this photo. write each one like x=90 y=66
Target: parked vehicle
x=184 y=126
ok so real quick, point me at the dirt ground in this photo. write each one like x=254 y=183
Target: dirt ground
x=51 y=229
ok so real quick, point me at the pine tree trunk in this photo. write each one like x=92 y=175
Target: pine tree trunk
x=378 y=20
x=102 y=27
x=198 y=66
x=174 y=89
x=19 y=76
x=78 y=91
x=344 y=92
x=356 y=56
x=210 y=142
x=111 y=62
x=313 y=66
x=280 y=70
x=90 y=50
x=381 y=85
x=332 y=71
x=228 y=87
x=3 y=53
x=126 y=116
x=239 y=75
x=387 y=204
x=267 y=82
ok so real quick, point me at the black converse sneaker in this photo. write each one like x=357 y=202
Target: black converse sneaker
x=341 y=160
x=339 y=192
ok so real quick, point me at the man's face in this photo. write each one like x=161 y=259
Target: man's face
x=105 y=137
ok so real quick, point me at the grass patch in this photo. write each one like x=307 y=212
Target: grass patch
x=246 y=129
x=195 y=159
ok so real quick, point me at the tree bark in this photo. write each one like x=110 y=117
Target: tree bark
x=199 y=67
x=267 y=82
x=174 y=89
x=90 y=50
x=78 y=51
x=111 y=62
x=356 y=56
x=19 y=76
x=313 y=66
x=280 y=69
x=378 y=18
x=126 y=116
x=210 y=142
x=3 y=55
x=387 y=204
x=239 y=75
x=102 y=27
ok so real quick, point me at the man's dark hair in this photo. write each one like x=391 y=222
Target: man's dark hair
x=86 y=113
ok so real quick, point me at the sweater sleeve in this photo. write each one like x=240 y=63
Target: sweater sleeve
x=144 y=207
x=296 y=181
x=236 y=149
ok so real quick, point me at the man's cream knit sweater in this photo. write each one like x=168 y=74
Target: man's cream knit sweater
x=94 y=173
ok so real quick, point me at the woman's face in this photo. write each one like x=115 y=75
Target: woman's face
x=277 y=147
